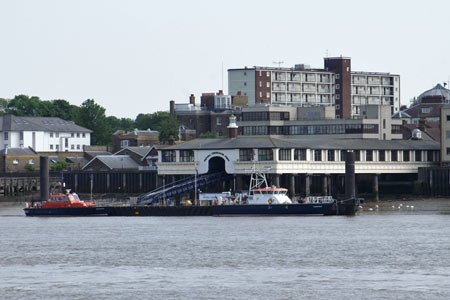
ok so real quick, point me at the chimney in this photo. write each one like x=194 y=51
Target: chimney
x=192 y=99
x=220 y=92
x=232 y=127
x=172 y=107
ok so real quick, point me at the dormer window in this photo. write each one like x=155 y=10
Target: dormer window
x=426 y=110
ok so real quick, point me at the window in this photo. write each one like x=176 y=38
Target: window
x=348 y=69
x=338 y=97
x=57 y=134
x=168 y=156
x=448 y=151
x=260 y=84
x=78 y=147
x=338 y=107
x=338 y=76
x=357 y=155
x=260 y=94
x=448 y=117
x=245 y=83
x=384 y=123
x=15 y=162
x=186 y=155
x=418 y=155
x=338 y=86
x=21 y=135
x=429 y=155
x=343 y=155
x=72 y=147
x=51 y=134
x=265 y=154
x=369 y=155
x=78 y=134
x=300 y=154
x=219 y=120
x=84 y=134
x=72 y=134
x=330 y=155
x=284 y=154
x=447 y=134
x=268 y=84
x=124 y=143
x=267 y=73
x=405 y=155
x=317 y=155
x=245 y=73
x=245 y=154
x=31 y=161
x=51 y=147
x=426 y=110
x=382 y=155
x=394 y=155
x=6 y=135
x=267 y=95
x=57 y=147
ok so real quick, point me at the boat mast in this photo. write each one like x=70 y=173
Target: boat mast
x=257 y=179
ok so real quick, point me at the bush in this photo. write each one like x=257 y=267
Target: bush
x=29 y=167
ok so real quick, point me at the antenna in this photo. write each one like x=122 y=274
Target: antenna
x=279 y=63
x=222 y=75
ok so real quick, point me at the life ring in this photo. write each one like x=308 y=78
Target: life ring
x=270 y=201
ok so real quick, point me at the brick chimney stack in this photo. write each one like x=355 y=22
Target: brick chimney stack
x=232 y=127
x=192 y=99
x=172 y=107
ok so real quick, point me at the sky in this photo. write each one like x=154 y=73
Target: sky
x=135 y=56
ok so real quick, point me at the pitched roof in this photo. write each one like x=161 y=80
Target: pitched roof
x=315 y=142
x=141 y=151
x=425 y=110
x=115 y=162
x=15 y=123
x=18 y=151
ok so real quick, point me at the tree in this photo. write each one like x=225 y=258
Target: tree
x=22 y=105
x=92 y=116
x=59 y=165
x=162 y=121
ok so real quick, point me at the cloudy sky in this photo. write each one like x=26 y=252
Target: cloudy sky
x=134 y=56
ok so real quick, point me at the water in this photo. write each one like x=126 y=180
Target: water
x=389 y=254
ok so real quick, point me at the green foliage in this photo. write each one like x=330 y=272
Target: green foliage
x=92 y=116
x=60 y=165
x=29 y=167
x=208 y=135
x=162 y=121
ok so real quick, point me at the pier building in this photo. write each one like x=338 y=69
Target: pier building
x=304 y=166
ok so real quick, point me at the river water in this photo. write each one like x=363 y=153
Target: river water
x=389 y=253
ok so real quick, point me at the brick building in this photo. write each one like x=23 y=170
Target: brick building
x=336 y=84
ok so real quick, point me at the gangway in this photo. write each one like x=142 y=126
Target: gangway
x=182 y=186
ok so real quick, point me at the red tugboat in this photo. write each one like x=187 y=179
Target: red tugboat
x=60 y=204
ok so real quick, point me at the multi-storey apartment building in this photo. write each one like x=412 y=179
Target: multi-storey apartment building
x=335 y=85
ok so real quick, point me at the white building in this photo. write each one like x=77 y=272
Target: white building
x=43 y=134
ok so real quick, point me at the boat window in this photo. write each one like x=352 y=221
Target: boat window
x=60 y=198
x=66 y=198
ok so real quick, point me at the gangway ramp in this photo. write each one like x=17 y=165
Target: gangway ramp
x=183 y=186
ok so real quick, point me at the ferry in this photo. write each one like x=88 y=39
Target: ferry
x=59 y=204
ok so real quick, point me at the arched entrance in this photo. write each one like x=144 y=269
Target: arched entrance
x=216 y=164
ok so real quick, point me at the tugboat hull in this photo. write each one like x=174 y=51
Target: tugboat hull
x=67 y=211
x=274 y=209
